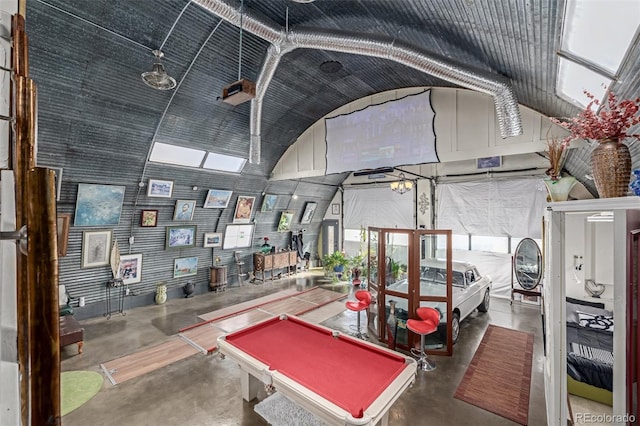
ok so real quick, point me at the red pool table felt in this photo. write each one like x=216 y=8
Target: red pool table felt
x=345 y=371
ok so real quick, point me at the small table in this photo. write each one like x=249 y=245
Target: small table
x=71 y=332
x=339 y=379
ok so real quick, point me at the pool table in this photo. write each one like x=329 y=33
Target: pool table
x=340 y=379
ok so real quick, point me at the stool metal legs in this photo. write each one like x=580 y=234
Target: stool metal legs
x=358 y=332
x=424 y=363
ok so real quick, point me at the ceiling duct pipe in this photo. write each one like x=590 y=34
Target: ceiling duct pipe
x=506 y=104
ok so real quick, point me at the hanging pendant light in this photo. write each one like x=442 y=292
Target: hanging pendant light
x=401 y=185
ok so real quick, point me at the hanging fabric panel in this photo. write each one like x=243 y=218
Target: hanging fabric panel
x=379 y=207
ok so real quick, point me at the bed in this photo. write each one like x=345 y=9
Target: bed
x=590 y=350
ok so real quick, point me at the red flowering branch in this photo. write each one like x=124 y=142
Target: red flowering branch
x=610 y=122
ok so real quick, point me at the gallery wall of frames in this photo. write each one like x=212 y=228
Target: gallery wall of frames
x=162 y=232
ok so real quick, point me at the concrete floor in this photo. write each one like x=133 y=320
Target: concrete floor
x=205 y=390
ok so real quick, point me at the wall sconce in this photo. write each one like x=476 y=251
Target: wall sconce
x=401 y=185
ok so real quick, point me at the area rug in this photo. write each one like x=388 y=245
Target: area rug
x=277 y=410
x=499 y=376
x=77 y=388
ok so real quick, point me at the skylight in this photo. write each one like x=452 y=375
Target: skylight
x=225 y=163
x=189 y=157
x=592 y=51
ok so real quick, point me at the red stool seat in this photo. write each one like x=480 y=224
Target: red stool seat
x=429 y=319
x=362 y=302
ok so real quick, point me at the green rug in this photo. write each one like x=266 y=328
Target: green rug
x=78 y=387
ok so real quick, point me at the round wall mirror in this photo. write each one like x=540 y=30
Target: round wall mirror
x=527 y=264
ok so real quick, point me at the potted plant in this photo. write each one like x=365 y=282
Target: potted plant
x=335 y=262
x=558 y=186
x=608 y=125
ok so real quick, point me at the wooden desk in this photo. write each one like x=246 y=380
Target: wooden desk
x=272 y=261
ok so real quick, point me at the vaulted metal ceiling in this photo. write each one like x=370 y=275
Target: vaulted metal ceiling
x=98 y=119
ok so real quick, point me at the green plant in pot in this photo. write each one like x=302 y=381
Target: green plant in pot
x=356 y=264
x=335 y=262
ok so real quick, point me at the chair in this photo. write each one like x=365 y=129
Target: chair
x=429 y=319
x=239 y=264
x=362 y=302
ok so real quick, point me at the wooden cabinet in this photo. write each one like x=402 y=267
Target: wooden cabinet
x=262 y=262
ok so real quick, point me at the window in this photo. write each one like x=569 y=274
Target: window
x=189 y=157
x=591 y=56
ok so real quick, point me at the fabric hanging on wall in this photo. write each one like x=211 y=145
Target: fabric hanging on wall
x=380 y=207
x=496 y=208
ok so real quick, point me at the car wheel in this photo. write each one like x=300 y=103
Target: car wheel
x=455 y=327
x=484 y=306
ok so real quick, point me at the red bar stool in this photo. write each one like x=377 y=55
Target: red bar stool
x=427 y=324
x=362 y=302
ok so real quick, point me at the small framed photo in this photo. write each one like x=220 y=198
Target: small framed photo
x=180 y=236
x=184 y=209
x=96 y=248
x=64 y=220
x=213 y=239
x=269 y=203
x=335 y=208
x=149 y=218
x=217 y=199
x=286 y=218
x=185 y=267
x=131 y=268
x=160 y=188
x=309 y=211
x=244 y=207
x=489 y=162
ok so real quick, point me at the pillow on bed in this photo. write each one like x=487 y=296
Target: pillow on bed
x=596 y=322
x=573 y=308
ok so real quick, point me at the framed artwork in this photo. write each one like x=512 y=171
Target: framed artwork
x=180 y=236
x=244 y=207
x=185 y=267
x=96 y=247
x=64 y=219
x=335 y=208
x=184 y=209
x=217 y=199
x=149 y=218
x=269 y=202
x=286 y=218
x=309 y=210
x=160 y=188
x=489 y=162
x=238 y=236
x=131 y=268
x=213 y=239
x=98 y=205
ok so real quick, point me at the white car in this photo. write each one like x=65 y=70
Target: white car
x=470 y=291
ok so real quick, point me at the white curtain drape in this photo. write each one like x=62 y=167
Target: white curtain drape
x=512 y=207
x=379 y=207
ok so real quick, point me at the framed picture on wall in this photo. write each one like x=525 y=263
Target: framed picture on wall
x=64 y=220
x=309 y=211
x=131 y=268
x=286 y=219
x=149 y=218
x=213 y=239
x=160 y=188
x=185 y=267
x=269 y=203
x=98 y=205
x=217 y=199
x=184 y=209
x=489 y=162
x=238 y=236
x=244 y=207
x=96 y=248
x=180 y=236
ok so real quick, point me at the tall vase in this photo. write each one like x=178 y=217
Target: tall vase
x=611 y=166
x=559 y=189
